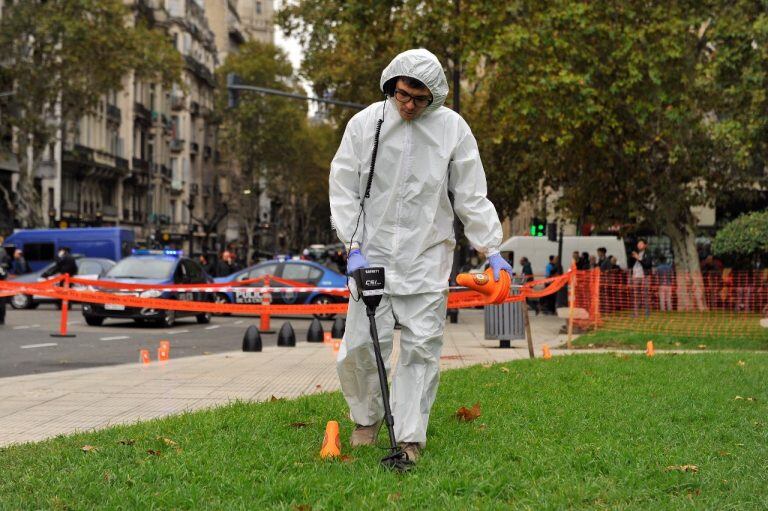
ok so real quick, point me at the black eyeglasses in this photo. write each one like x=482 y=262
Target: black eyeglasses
x=419 y=101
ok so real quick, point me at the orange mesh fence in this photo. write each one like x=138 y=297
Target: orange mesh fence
x=105 y=292
x=726 y=304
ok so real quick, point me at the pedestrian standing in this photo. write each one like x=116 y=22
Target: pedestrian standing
x=640 y=264
x=664 y=275
x=424 y=152
x=20 y=264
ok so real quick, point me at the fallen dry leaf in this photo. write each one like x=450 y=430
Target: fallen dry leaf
x=153 y=452
x=678 y=344
x=682 y=468
x=741 y=363
x=302 y=507
x=482 y=426
x=739 y=398
x=206 y=353
x=127 y=441
x=346 y=458
x=394 y=497
x=505 y=369
x=168 y=441
x=702 y=346
x=468 y=414
x=88 y=448
x=723 y=453
x=298 y=424
x=273 y=398
x=318 y=386
x=487 y=365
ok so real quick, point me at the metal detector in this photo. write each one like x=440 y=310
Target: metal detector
x=370 y=285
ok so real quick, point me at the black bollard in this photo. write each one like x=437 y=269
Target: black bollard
x=337 y=331
x=315 y=332
x=252 y=339
x=286 y=337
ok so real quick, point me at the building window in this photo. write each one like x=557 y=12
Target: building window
x=258 y=7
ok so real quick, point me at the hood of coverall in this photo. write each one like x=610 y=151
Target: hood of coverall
x=424 y=66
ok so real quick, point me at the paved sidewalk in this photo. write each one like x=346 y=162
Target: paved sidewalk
x=34 y=407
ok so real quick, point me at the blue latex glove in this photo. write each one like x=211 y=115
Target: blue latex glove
x=498 y=264
x=355 y=261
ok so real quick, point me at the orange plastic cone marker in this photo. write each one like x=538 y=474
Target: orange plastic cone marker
x=545 y=352
x=144 y=357
x=327 y=339
x=163 y=352
x=331 y=442
x=649 y=349
x=483 y=283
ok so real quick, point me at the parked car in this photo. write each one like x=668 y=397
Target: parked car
x=87 y=268
x=152 y=267
x=306 y=272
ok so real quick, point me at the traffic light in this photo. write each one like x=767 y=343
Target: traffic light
x=538 y=227
x=233 y=95
x=552 y=231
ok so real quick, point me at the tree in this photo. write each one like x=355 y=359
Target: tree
x=745 y=239
x=636 y=110
x=269 y=141
x=61 y=57
x=347 y=44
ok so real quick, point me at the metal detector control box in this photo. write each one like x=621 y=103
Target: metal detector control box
x=370 y=285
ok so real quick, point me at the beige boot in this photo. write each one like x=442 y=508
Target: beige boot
x=364 y=435
x=412 y=449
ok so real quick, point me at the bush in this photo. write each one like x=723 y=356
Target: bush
x=744 y=238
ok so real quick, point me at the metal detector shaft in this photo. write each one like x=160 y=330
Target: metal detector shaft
x=382 y=379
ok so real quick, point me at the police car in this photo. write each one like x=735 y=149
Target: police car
x=308 y=273
x=152 y=267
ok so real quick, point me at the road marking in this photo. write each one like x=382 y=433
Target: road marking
x=174 y=332
x=212 y=327
x=24 y=327
x=114 y=338
x=43 y=345
x=74 y=322
x=238 y=322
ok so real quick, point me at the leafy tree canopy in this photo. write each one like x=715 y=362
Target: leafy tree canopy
x=747 y=236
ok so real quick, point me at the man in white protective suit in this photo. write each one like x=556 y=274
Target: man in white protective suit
x=424 y=151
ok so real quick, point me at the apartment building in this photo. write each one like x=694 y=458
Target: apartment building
x=147 y=157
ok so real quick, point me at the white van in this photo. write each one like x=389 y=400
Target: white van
x=538 y=250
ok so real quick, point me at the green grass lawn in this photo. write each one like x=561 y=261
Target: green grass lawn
x=583 y=432
x=679 y=330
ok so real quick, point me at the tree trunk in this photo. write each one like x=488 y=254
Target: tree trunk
x=690 y=285
x=28 y=201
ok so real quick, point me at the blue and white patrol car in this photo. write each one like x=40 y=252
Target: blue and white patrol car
x=152 y=267
x=308 y=273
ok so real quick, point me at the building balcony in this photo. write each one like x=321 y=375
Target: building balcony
x=177 y=185
x=140 y=165
x=207 y=151
x=200 y=70
x=79 y=153
x=177 y=102
x=207 y=190
x=114 y=114
x=176 y=145
x=194 y=147
x=194 y=189
x=166 y=172
x=121 y=163
x=141 y=112
x=110 y=211
x=194 y=108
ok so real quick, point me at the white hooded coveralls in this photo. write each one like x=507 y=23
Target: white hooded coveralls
x=407 y=228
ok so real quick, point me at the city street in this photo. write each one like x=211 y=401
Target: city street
x=26 y=346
